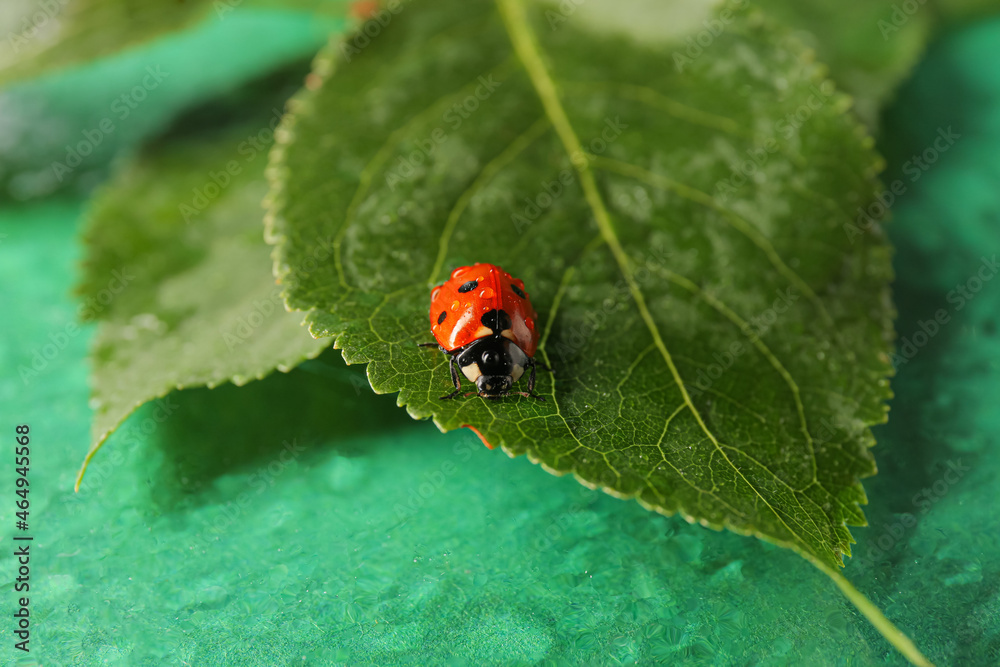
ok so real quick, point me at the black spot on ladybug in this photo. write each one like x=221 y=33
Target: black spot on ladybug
x=517 y=290
x=497 y=320
x=442 y=316
x=469 y=286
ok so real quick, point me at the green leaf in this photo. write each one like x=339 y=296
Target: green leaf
x=441 y=145
x=721 y=343
x=49 y=34
x=177 y=272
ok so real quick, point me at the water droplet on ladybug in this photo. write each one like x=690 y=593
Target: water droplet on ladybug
x=486 y=293
x=530 y=322
x=434 y=294
x=455 y=304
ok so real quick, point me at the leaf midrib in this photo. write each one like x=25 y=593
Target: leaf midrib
x=525 y=46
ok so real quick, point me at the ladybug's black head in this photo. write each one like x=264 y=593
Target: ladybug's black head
x=493 y=385
x=494 y=363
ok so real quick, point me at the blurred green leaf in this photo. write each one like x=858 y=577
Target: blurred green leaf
x=61 y=130
x=964 y=10
x=49 y=34
x=720 y=340
x=177 y=272
x=869 y=45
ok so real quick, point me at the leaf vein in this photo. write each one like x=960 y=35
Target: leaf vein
x=379 y=160
x=491 y=169
x=738 y=222
x=758 y=343
x=513 y=14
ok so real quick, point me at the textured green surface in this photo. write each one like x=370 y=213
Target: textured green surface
x=185 y=277
x=536 y=568
x=944 y=573
x=697 y=370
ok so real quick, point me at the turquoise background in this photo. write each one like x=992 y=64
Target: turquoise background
x=303 y=520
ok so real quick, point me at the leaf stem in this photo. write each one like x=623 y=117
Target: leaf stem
x=875 y=616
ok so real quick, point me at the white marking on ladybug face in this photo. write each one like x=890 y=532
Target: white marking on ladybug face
x=508 y=334
x=516 y=372
x=472 y=372
x=483 y=332
x=518 y=360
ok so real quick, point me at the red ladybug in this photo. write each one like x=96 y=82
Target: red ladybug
x=483 y=320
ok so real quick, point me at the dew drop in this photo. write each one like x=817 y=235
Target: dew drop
x=487 y=293
x=455 y=304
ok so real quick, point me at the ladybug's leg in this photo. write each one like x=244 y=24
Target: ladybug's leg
x=454 y=379
x=531 y=384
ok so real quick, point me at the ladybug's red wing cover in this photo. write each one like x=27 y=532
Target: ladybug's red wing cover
x=457 y=308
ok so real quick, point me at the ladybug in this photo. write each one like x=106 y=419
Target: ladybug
x=484 y=321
